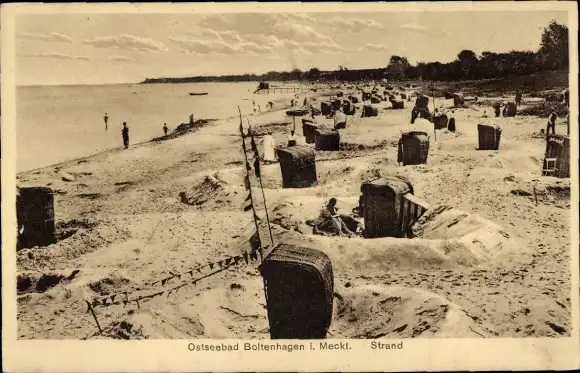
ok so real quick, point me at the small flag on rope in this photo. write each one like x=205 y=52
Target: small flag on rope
x=220 y=263
x=113 y=298
x=257 y=167
x=164 y=281
x=254 y=147
x=228 y=261
x=237 y=259
x=105 y=301
x=210 y=265
x=261 y=252
x=95 y=302
x=191 y=272
x=247 y=184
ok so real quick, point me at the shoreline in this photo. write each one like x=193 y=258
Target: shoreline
x=103 y=153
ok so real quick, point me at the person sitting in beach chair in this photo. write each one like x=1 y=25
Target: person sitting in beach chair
x=330 y=223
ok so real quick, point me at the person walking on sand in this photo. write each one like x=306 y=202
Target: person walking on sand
x=106 y=119
x=165 y=129
x=125 y=133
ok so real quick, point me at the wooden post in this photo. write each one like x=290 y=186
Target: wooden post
x=94 y=316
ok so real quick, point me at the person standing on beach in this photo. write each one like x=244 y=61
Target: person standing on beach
x=125 y=133
x=518 y=98
x=106 y=118
x=292 y=139
x=552 y=123
x=165 y=128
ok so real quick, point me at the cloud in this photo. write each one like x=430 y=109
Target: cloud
x=354 y=24
x=57 y=56
x=231 y=36
x=374 y=48
x=293 y=31
x=413 y=27
x=274 y=31
x=214 y=21
x=220 y=46
x=120 y=59
x=263 y=39
x=297 y=16
x=52 y=37
x=127 y=42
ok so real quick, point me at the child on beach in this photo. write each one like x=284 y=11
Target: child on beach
x=106 y=118
x=125 y=133
x=165 y=128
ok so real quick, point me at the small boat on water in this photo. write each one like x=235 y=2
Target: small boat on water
x=197 y=93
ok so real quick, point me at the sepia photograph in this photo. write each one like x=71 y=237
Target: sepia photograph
x=266 y=176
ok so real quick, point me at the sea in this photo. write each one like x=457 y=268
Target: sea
x=59 y=123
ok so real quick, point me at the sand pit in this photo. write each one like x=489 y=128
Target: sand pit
x=483 y=238
x=239 y=311
x=378 y=311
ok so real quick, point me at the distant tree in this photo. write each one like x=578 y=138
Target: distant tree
x=554 y=46
x=312 y=74
x=397 y=67
x=468 y=63
x=295 y=74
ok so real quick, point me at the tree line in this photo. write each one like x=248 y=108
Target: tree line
x=552 y=55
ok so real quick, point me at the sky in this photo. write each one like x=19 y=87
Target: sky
x=119 y=48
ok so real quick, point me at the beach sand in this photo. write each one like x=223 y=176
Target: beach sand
x=133 y=216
